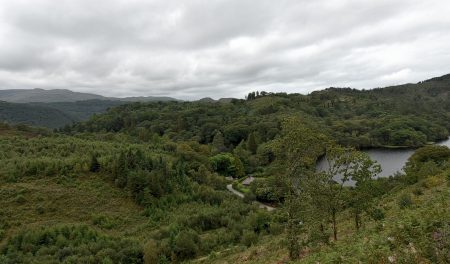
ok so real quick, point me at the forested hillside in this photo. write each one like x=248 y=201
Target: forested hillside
x=57 y=108
x=52 y=115
x=150 y=182
x=35 y=115
x=81 y=110
x=409 y=115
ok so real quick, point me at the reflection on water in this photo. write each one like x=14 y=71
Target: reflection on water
x=391 y=160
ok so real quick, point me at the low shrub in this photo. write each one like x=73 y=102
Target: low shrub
x=377 y=214
x=69 y=244
x=405 y=201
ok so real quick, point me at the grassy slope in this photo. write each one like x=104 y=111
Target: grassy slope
x=372 y=244
x=62 y=200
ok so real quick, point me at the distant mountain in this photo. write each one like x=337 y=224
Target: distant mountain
x=221 y=100
x=226 y=100
x=144 y=99
x=38 y=95
x=45 y=96
x=57 y=108
x=207 y=100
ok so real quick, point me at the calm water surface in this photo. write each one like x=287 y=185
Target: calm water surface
x=391 y=160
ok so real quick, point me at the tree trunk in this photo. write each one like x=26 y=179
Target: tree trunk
x=357 y=221
x=334 y=225
x=292 y=232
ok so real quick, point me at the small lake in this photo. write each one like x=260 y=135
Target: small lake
x=391 y=160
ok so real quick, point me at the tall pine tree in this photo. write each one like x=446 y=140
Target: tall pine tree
x=218 y=142
x=252 y=146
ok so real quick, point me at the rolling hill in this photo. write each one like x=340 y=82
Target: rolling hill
x=59 y=107
x=64 y=95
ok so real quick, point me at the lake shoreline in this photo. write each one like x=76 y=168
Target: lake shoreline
x=392 y=160
x=393 y=147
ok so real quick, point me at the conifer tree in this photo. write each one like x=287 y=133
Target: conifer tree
x=218 y=142
x=252 y=146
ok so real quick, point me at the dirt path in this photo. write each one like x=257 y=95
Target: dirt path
x=241 y=195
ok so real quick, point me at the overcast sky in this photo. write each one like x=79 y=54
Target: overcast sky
x=191 y=48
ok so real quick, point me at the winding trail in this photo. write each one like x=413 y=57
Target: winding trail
x=241 y=195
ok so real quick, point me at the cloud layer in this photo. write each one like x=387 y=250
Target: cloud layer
x=195 y=48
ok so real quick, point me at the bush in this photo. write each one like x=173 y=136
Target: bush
x=186 y=245
x=228 y=165
x=249 y=197
x=377 y=214
x=405 y=201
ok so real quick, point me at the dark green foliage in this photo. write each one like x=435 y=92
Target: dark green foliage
x=36 y=115
x=437 y=154
x=228 y=165
x=95 y=165
x=377 y=214
x=70 y=244
x=81 y=110
x=405 y=201
x=427 y=161
x=251 y=143
x=218 y=142
x=265 y=190
x=186 y=245
x=409 y=115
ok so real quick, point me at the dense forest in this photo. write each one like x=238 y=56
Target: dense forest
x=52 y=115
x=147 y=182
x=403 y=116
x=41 y=116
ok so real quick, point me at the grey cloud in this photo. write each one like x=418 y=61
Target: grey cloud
x=197 y=48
